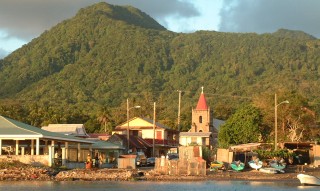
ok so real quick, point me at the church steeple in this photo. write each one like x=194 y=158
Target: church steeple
x=202 y=125
x=202 y=102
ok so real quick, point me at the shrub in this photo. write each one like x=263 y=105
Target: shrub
x=282 y=153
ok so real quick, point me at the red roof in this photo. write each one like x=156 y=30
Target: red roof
x=202 y=103
x=163 y=142
x=135 y=141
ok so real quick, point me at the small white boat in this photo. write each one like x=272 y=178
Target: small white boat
x=271 y=170
x=308 y=180
x=255 y=164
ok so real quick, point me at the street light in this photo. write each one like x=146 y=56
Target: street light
x=128 y=109
x=276 y=120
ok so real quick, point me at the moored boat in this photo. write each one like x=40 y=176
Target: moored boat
x=278 y=164
x=237 y=165
x=215 y=165
x=308 y=180
x=255 y=164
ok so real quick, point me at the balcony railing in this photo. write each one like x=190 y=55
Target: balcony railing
x=163 y=142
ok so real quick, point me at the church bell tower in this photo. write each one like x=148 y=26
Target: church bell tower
x=202 y=116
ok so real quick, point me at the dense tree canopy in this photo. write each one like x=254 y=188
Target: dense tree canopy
x=242 y=127
x=106 y=54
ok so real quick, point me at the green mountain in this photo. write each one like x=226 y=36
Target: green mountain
x=106 y=54
x=298 y=35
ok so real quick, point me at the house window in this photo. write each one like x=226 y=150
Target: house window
x=159 y=135
x=200 y=119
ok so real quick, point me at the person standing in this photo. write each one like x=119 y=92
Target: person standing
x=162 y=162
x=89 y=162
x=96 y=160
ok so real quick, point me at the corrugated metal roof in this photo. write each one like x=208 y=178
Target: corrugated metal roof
x=10 y=128
x=247 y=146
x=67 y=129
x=105 y=145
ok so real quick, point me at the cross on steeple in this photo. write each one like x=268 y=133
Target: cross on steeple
x=202 y=89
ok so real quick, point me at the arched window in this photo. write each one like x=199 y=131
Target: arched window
x=200 y=119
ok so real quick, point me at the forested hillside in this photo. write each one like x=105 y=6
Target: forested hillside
x=85 y=68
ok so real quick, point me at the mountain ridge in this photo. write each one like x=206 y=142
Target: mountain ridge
x=95 y=59
x=127 y=14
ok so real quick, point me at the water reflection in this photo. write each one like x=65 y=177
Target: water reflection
x=154 y=186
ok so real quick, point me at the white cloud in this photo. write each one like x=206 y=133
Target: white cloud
x=29 y=18
x=263 y=16
x=3 y=53
x=208 y=19
x=24 y=20
x=10 y=43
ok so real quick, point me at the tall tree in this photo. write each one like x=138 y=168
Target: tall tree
x=104 y=118
x=242 y=127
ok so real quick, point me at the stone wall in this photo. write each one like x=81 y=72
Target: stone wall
x=316 y=155
x=187 y=167
x=224 y=155
x=34 y=160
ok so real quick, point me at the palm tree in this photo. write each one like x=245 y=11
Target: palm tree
x=104 y=117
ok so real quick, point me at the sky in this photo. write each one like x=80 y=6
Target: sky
x=23 y=20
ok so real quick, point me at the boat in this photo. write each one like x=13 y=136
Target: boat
x=237 y=165
x=280 y=165
x=271 y=170
x=308 y=180
x=215 y=165
x=255 y=164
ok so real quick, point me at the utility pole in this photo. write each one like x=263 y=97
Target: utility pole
x=154 y=128
x=179 y=110
x=128 y=129
x=275 y=122
x=276 y=104
x=179 y=119
x=128 y=126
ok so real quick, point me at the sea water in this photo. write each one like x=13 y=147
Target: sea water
x=153 y=186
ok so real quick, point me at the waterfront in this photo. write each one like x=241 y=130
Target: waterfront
x=153 y=186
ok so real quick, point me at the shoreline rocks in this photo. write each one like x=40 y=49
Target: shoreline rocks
x=23 y=172
x=29 y=173
x=95 y=175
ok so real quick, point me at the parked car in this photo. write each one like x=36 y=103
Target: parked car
x=173 y=156
x=151 y=161
x=141 y=159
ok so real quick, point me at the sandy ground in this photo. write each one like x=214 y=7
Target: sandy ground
x=291 y=173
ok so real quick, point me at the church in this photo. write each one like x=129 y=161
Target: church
x=203 y=130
